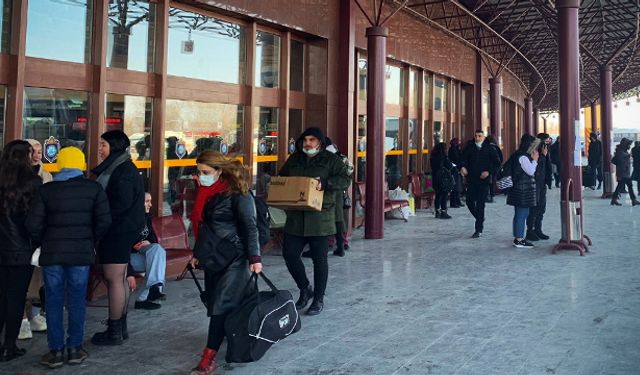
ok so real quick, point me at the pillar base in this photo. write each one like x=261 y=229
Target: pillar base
x=607 y=185
x=571 y=245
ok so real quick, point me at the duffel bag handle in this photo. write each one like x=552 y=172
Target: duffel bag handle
x=267 y=281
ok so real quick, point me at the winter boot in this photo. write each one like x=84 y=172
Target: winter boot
x=444 y=215
x=437 y=214
x=125 y=331
x=614 y=202
x=305 y=296
x=532 y=236
x=207 y=364
x=635 y=202
x=112 y=336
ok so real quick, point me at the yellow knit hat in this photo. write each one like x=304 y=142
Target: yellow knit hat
x=71 y=157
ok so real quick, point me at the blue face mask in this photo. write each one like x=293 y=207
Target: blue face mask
x=207 y=180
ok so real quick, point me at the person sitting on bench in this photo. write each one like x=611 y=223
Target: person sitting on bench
x=148 y=257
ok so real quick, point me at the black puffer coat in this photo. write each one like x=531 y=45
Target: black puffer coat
x=233 y=219
x=68 y=217
x=635 y=152
x=622 y=159
x=523 y=193
x=477 y=160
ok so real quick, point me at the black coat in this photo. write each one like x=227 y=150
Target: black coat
x=438 y=161
x=455 y=155
x=232 y=217
x=543 y=175
x=477 y=160
x=68 y=217
x=523 y=193
x=635 y=152
x=595 y=153
x=16 y=246
x=622 y=160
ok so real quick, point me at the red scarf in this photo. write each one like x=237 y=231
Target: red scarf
x=202 y=197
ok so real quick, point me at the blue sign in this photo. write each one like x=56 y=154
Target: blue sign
x=224 y=148
x=181 y=149
x=51 y=149
x=262 y=148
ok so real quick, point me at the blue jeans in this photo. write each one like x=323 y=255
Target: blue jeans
x=152 y=260
x=520 y=221
x=74 y=280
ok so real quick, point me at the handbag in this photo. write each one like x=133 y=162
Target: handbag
x=213 y=253
x=504 y=183
x=346 y=200
x=263 y=319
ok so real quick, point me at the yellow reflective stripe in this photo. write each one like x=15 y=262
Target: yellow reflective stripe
x=142 y=164
x=266 y=158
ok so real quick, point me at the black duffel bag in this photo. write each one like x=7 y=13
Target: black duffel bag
x=263 y=319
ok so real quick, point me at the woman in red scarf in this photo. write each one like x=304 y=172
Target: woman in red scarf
x=224 y=214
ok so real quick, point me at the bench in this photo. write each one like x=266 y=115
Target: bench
x=421 y=196
x=389 y=205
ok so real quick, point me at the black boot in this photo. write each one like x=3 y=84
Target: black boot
x=635 y=202
x=444 y=215
x=112 y=336
x=316 y=306
x=614 y=202
x=541 y=235
x=339 y=251
x=599 y=185
x=305 y=296
x=437 y=214
x=532 y=236
x=125 y=331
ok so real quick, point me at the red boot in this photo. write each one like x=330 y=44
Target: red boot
x=207 y=364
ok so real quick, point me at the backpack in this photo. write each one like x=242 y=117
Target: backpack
x=445 y=180
x=263 y=220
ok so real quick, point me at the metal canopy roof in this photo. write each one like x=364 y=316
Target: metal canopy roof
x=521 y=36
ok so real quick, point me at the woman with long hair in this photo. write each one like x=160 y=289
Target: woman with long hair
x=442 y=183
x=522 y=196
x=17 y=189
x=36 y=161
x=123 y=184
x=224 y=213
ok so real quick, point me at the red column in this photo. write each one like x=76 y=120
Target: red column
x=606 y=122
x=376 y=60
x=536 y=121
x=494 y=108
x=528 y=116
x=477 y=94
x=569 y=84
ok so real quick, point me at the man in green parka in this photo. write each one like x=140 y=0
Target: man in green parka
x=312 y=227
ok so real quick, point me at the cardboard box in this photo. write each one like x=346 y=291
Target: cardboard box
x=297 y=193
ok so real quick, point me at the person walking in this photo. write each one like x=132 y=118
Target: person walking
x=455 y=155
x=479 y=158
x=635 y=153
x=312 y=227
x=494 y=172
x=68 y=217
x=18 y=186
x=522 y=196
x=224 y=213
x=341 y=233
x=120 y=179
x=443 y=182
x=594 y=160
x=543 y=178
x=622 y=161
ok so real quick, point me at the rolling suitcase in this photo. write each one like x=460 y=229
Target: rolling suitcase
x=588 y=176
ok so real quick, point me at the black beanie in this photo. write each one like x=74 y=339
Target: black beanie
x=117 y=139
x=314 y=132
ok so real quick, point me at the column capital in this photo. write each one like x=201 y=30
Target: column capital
x=567 y=3
x=605 y=68
x=495 y=80
x=377 y=31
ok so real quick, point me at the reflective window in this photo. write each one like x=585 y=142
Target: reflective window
x=132 y=115
x=361 y=148
x=427 y=143
x=3 y=96
x=393 y=151
x=190 y=128
x=437 y=132
x=413 y=88
x=362 y=79
x=60 y=116
x=394 y=86
x=5 y=24
x=295 y=128
x=427 y=92
x=267 y=60
x=296 y=69
x=204 y=47
x=413 y=145
x=265 y=147
x=440 y=95
x=131 y=39
x=60 y=30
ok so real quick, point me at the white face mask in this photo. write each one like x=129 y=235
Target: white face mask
x=311 y=151
x=207 y=180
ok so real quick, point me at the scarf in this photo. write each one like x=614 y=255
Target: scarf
x=106 y=168
x=67 y=174
x=205 y=193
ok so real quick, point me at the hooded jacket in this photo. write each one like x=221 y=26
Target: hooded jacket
x=622 y=159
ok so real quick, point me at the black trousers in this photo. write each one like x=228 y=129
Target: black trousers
x=216 y=331
x=536 y=214
x=597 y=168
x=476 y=198
x=441 y=200
x=338 y=236
x=625 y=181
x=319 y=246
x=14 y=282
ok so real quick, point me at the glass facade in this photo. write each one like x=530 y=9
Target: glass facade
x=428 y=104
x=440 y=95
x=131 y=42
x=265 y=147
x=197 y=44
x=394 y=90
x=60 y=30
x=5 y=24
x=361 y=147
x=362 y=79
x=267 y=60
x=296 y=68
x=393 y=151
x=413 y=145
x=413 y=88
x=296 y=127
x=55 y=115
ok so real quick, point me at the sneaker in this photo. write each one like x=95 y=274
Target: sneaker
x=38 y=323
x=146 y=305
x=476 y=235
x=522 y=243
x=316 y=307
x=53 y=359
x=155 y=293
x=25 y=330
x=76 y=356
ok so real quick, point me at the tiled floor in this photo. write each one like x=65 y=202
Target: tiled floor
x=425 y=300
